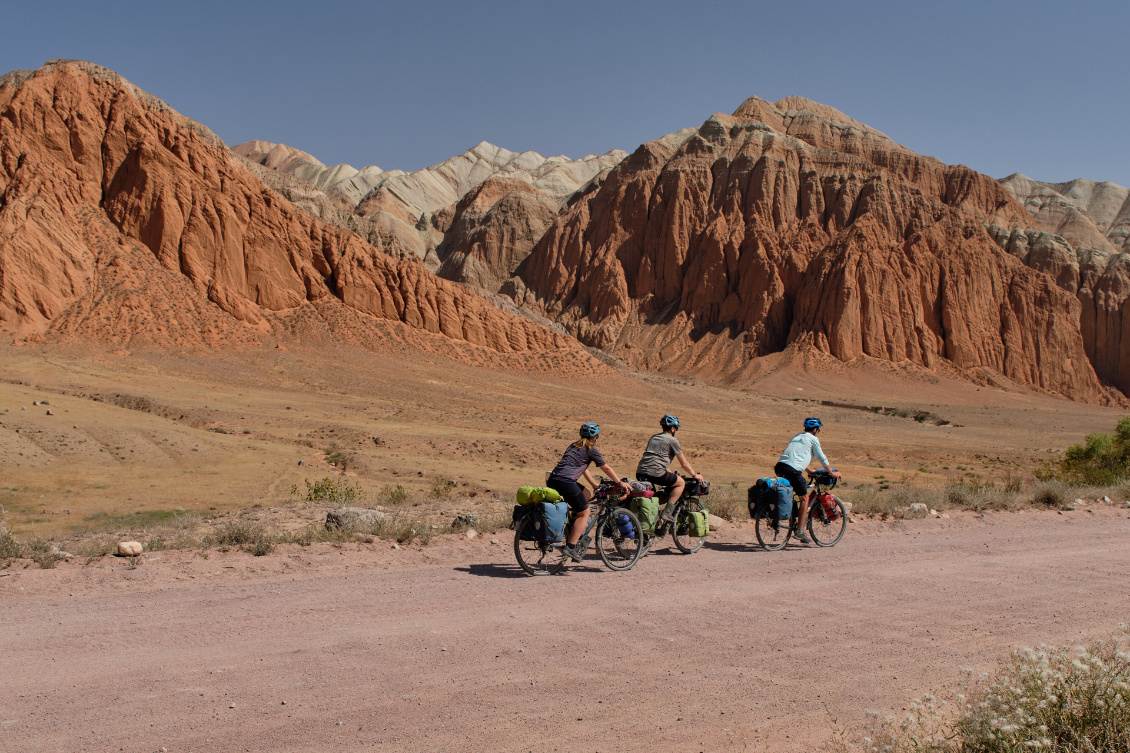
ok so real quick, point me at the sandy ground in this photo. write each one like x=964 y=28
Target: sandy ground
x=448 y=647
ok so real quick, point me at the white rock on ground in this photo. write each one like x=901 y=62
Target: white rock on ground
x=918 y=510
x=715 y=522
x=129 y=548
x=352 y=517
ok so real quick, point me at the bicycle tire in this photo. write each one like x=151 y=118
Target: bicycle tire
x=770 y=538
x=535 y=557
x=686 y=543
x=617 y=551
x=829 y=533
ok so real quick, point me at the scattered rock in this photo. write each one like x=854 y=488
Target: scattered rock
x=395 y=545
x=365 y=538
x=716 y=523
x=49 y=413
x=943 y=516
x=918 y=510
x=464 y=521
x=352 y=517
x=231 y=705
x=302 y=462
x=23 y=407
x=1078 y=503
x=44 y=402
x=933 y=512
x=1126 y=505
x=1106 y=500
x=495 y=541
x=471 y=533
x=129 y=548
x=847 y=505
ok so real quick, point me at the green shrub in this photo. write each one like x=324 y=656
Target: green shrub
x=261 y=547
x=440 y=489
x=236 y=533
x=335 y=491
x=393 y=495
x=9 y=547
x=1102 y=459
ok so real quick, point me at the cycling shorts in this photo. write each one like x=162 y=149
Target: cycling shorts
x=572 y=491
x=667 y=479
x=795 y=477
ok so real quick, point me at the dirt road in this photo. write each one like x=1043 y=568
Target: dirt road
x=449 y=649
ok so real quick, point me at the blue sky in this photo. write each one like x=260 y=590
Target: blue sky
x=1032 y=87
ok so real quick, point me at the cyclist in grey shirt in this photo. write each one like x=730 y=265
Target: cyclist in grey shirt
x=662 y=448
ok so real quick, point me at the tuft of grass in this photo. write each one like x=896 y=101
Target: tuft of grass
x=727 y=501
x=440 y=489
x=261 y=547
x=1052 y=494
x=236 y=533
x=10 y=549
x=42 y=552
x=393 y=495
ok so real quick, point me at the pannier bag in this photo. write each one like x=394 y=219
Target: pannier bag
x=831 y=509
x=528 y=495
x=694 y=523
x=624 y=523
x=769 y=498
x=647 y=510
x=552 y=521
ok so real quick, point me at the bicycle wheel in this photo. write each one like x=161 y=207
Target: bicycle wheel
x=686 y=542
x=827 y=532
x=536 y=557
x=619 y=551
x=772 y=537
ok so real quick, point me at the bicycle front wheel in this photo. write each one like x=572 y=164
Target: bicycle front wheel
x=536 y=557
x=772 y=537
x=686 y=542
x=824 y=530
x=619 y=551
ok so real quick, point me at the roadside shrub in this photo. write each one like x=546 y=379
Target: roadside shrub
x=1102 y=459
x=10 y=549
x=726 y=501
x=440 y=489
x=334 y=491
x=1065 y=698
x=261 y=547
x=43 y=553
x=236 y=533
x=1052 y=494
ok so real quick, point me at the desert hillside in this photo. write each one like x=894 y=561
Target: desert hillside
x=124 y=222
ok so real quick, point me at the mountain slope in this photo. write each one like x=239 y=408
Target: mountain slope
x=123 y=221
x=790 y=224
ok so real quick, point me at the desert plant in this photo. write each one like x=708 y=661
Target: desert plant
x=10 y=549
x=236 y=533
x=1052 y=494
x=261 y=547
x=728 y=501
x=43 y=553
x=393 y=495
x=440 y=489
x=1102 y=459
x=335 y=491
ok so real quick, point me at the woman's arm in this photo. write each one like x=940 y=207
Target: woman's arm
x=588 y=477
x=612 y=475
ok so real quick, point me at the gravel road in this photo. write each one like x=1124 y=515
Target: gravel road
x=449 y=648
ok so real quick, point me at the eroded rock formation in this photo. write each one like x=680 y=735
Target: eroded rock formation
x=789 y=222
x=122 y=220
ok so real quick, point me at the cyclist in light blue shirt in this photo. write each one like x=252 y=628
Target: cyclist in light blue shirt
x=793 y=462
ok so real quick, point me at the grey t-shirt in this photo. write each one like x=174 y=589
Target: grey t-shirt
x=661 y=450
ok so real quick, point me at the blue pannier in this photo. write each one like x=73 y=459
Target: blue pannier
x=771 y=498
x=553 y=517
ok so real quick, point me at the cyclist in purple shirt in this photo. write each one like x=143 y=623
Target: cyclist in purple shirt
x=573 y=465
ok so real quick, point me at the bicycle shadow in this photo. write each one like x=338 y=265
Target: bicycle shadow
x=492 y=570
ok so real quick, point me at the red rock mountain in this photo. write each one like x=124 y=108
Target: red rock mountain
x=123 y=221
x=789 y=223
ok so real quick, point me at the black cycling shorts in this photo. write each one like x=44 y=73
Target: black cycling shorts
x=572 y=491
x=795 y=477
x=667 y=479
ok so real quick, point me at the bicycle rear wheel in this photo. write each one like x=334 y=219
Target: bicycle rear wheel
x=685 y=542
x=536 y=557
x=772 y=537
x=826 y=532
x=619 y=551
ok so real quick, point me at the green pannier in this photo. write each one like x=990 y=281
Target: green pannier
x=528 y=495
x=647 y=510
x=696 y=524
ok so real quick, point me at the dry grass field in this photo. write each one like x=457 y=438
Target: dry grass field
x=95 y=441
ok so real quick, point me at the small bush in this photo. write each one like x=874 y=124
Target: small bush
x=393 y=495
x=236 y=533
x=335 y=491
x=440 y=489
x=1102 y=459
x=1050 y=698
x=43 y=553
x=9 y=547
x=1052 y=494
x=261 y=547
x=726 y=501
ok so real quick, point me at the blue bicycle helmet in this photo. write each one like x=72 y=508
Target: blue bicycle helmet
x=589 y=430
x=812 y=423
x=668 y=421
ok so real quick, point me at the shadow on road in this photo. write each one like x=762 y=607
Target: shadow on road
x=493 y=570
x=723 y=546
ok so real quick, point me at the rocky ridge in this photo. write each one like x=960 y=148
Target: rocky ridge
x=790 y=225
x=411 y=214
x=124 y=221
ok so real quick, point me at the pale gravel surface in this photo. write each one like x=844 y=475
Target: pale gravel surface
x=447 y=649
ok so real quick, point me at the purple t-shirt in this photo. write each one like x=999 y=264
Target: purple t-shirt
x=574 y=462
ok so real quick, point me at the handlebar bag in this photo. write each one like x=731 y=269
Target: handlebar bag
x=552 y=528
x=647 y=510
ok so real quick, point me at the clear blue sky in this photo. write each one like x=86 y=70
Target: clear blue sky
x=1032 y=87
